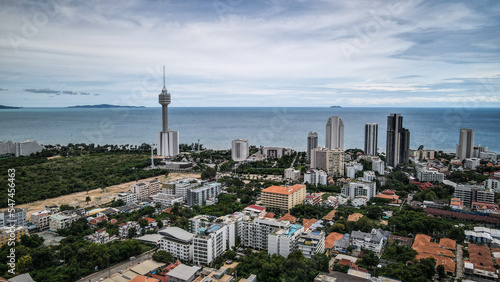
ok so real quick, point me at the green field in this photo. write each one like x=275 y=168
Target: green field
x=38 y=178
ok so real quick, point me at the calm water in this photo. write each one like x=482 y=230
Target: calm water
x=435 y=128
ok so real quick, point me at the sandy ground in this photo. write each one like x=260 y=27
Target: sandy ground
x=98 y=196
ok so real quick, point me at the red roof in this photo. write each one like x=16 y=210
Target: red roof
x=283 y=190
x=269 y=215
x=289 y=217
x=149 y=219
x=255 y=207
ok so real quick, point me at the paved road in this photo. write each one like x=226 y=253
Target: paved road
x=460 y=262
x=115 y=268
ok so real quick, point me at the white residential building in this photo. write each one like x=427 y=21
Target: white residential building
x=128 y=198
x=124 y=228
x=316 y=177
x=59 y=221
x=209 y=243
x=99 y=237
x=204 y=195
x=41 y=219
x=373 y=241
x=291 y=173
x=178 y=242
x=16 y=217
x=360 y=188
x=425 y=174
x=493 y=182
x=239 y=150
x=352 y=168
x=167 y=200
x=378 y=165
x=488 y=156
x=27 y=148
x=311 y=243
x=144 y=189
x=284 y=241
x=472 y=163
x=369 y=176
x=180 y=187
x=274 y=152
x=254 y=232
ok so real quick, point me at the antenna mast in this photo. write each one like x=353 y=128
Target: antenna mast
x=163 y=76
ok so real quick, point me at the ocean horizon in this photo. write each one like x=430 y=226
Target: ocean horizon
x=435 y=128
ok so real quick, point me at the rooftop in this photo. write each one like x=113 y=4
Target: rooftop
x=183 y=272
x=284 y=190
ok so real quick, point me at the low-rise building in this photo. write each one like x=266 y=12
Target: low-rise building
x=12 y=233
x=284 y=241
x=183 y=273
x=255 y=210
x=202 y=196
x=291 y=173
x=167 y=200
x=472 y=163
x=178 y=242
x=41 y=219
x=316 y=177
x=128 y=198
x=493 y=182
x=124 y=229
x=254 y=232
x=429 y=174
x=373 y=241
x=101 y=236
x=360 y=188
x=352 y=168
x=311 y=243
x=13 y=217
x=59 y=221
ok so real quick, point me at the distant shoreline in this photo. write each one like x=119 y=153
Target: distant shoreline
x=2 y=107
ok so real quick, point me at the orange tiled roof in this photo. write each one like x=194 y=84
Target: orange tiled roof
x=149 y=219
x=283 y=190
x=331 y=238
x=448 y=243
x=288 y=217
x=354 y=217
x=269 y=215
x=140 y=278
x=448 y=263
x=308 y=222
x=330 y=215
x=168 y=210
x=480 y=256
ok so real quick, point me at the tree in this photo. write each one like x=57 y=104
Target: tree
x=374 y=212
x=369 y=259
x=117 y=203
x=142 y=222
x=441 y=272
x=32 y=241
x=24 y=263
x=158 y=205
x=65 y=207
x=87 y=200
x=160 y=224
x=163 y=256
x=132 y=232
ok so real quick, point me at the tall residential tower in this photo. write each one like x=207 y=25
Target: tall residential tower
x=334 y=133
x=398 y=141
x=465 y=148
x=371 y=138
x=312 y=142
x=168 y=140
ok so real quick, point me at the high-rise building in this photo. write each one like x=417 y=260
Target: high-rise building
x=283 y=198
x=312 y=142
x=239 y=150
x=332 y=161
x=334 y=133
x=168 y=140
x=398 y=141
x=371 y=138
x=465 y=148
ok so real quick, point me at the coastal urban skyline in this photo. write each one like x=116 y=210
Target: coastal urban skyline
x=240 y=53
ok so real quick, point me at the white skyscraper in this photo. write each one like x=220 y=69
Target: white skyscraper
x=239 y=150
x=465 y=149
x=371 y=138
x=334 y=133
x=168 y=140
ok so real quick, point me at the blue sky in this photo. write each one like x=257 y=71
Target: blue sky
x=251 y=53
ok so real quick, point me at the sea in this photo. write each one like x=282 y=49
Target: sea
x=215 y=128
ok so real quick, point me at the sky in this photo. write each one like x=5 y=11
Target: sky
x=255 y=53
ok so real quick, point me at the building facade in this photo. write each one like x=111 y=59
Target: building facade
x=425 y=174
x=283 y=198
x=335 y=133
x=239 y=150
x=316 y=177
x=284 y=241
x=360 y=189
x=178 y=242
x=465 y=147
x=312 y=142
x=17 y=217
x=204 y=195
x=311 y=243
x=398 y=141
x=371 y=139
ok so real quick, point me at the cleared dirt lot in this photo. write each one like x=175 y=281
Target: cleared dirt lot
x=98 y=196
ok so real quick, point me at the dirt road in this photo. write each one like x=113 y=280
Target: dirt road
x=98 y=196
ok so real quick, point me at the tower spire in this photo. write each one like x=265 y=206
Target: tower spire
x=163 y=76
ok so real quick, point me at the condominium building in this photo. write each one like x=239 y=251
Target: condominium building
x=316 y=177
x=378 y=165
x=178 y=242
x=424 y=154
x=478 y=149
x=373 y=241
x=12 y=233
x=128 y=198
x=16 y=217
x=332 y=161
x=284 y=241
x=144 y=189
x=59 y=221
x=368 y=176
x=488 y=156
x=204 y=195
x=27 y=148
x=334 y=133
x=426 y=174
x=493 y=182
x=371 y=139
x=167 y=200
x=283 y=198
x=470 y=193
x=180 y=187
x=311 y=243
x=352 y=168
x=472 y=163
x=7 y=148
x=125 y=228
x=465 y=148
x=254 y=232
x=360 y=188
x=312 y=142
x=398 y=141
x=274 y=152
x=239 y=150
x=41 y=219
x=291 y=173
x=209 y=243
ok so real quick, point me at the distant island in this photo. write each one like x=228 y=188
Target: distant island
x=335 y=107
x=104 y=106
x=2 y=107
